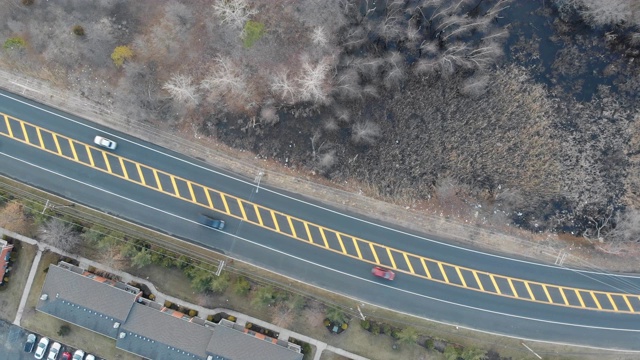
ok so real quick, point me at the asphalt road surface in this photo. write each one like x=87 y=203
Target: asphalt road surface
x=613 y=327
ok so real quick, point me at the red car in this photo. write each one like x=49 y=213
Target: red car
x=383 y=273
x=66 y=356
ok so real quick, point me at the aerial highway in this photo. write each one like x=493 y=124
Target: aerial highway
x=313 y=242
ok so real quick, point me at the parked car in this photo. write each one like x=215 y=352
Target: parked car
x=211 y=222
x=383 y=273
x=66 y=356
x=105 y=143
x=30 y=344
x=79 y=354
x=54 y=351
x=41 y=349
x=90 y=357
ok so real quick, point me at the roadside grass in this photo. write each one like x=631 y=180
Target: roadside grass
x=11 y=293
x=47 y=325
x=328 y=355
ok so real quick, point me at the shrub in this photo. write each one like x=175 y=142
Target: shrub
x=365 y=324
x=386 y=329
x=212 y=318
x=306 y=348
x=252 y=32
x=327 y=322
x=242 y=286
x=231 y=318
x=120 y=54
x=193 y=313
x=64 y=330
x=168 y=304
x=152 y=297
x=78 y=30
x=248 y=325
x=429 y=344
x=14 y=43
x=375 y=329
x=344 y=326
x=27 y=2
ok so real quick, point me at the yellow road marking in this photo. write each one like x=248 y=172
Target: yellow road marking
x=306 y=227
x=73 y=149
x=293 y=230
x=613 y=303
x=344 y=251
x=595 y=299
x=426 y=269
x=24 y=131
x=88 y=148
x=544 y=287
x=513 y=288
x=155 y=176
x=226 y=208
x=375 y=255
x=124 y=169
x=393 y=262
x=275 y=221
x=495 y=284
x=406 y=258
x=6 y=120
x=526 y=284
x=176 y=192
x=355 y=244
x=564 y=298
x=244 y=214
x=464 y=283
x=626 y=300
x=389 y=250
x=140 y=173
x=579 y=297
x=475 y=275
x=40 y=138
x=324 y=238
x=206 y=192
x=444 y=274
x=193 y=196
x=104 y=154
x=257 y=210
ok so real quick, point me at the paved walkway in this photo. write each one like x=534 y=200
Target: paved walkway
x=161 y=297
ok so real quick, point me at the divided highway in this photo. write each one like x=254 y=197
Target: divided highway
x=311 y=242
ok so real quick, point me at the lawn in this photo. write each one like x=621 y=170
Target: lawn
x=11 y=293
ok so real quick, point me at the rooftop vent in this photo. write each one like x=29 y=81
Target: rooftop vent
x=116 y=325
x=122 y=335
x=44 y=297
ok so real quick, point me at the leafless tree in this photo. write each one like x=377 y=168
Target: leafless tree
x=475 y=86
x=60 y=234
x=182 y=88
x=599 y=12
x=365 y=132
x=225 y=76
x=234 y=12
x=396 y=69
x=346 y=83
x=313 y=84
x=627 y=227
x=283 y=86
x=269 y=115
x=319 y=36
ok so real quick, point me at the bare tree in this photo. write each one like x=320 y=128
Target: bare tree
x=283 y=86
x=319 y=37
x=609 y=12
x=225 y=76
x=59 y=234
x=475 y=86
x=269 y=115
x=313 y=84
x=234 y=12
x=182 y=88
x=365 y=132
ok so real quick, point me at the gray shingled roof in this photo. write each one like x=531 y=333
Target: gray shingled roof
x=236 y=345
x=67 y=285
x=171 y=335
x=79 y=315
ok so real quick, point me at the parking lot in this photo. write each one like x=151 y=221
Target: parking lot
x=12 y=339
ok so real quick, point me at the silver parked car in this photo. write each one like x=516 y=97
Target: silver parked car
x=105 y=143
x=42 y=348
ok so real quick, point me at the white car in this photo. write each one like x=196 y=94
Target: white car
x=90 y=357
x=54 y=351
x=42 y=348
x=78 y=355
x=105 y=143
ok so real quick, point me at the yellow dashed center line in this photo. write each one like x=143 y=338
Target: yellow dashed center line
x=293 y=230
x=375 y=254
x=393 y=262
x=613 y=303
x=406 y=258
x=444 y=274
x=355 y=244
x=244 y=214
x=257 y=210
x=344 y=251
x=475 y=275
x=426 y=269
x=157 y=178
x=273 y=217
x=464 y=283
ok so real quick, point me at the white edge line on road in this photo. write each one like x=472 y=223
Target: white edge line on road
x=315 y=205
x=338 y=271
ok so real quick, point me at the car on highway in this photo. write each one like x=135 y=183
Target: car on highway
x=78 y=355
x=54 y=351
x=383 y=273
x=66 y=356
x=42 y=348
x=211 y=222
x=30 y=344
x=105 y=143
